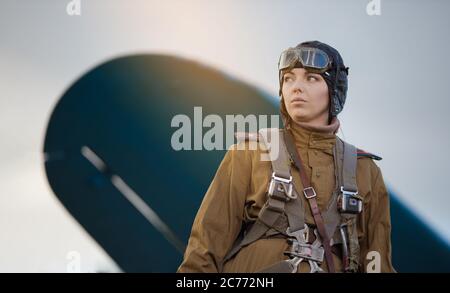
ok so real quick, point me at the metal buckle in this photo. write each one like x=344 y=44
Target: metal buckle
x=276 y=181
x=352 y=197
x=300 y=248
x=281 y=178
x=348 y=192
x=309 y=196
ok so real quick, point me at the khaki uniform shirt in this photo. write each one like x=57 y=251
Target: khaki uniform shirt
x=238 y=192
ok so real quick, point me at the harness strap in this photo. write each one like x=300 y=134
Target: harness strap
x=272 y=217
x=280 y=159
x=310 y=195
x=348 y=172
x=278 y=203
x=346 y=177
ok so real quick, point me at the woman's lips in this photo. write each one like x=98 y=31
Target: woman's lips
x=298 y=100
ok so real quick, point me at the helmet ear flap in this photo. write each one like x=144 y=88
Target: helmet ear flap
x=339 y=94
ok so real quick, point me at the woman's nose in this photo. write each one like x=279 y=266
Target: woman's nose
x=297 y=86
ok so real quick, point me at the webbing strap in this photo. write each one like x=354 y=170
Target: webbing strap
x=349 y=168
x=273 y=140
x=346 y=164
x=281 y=167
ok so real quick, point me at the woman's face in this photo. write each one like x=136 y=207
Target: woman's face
x=306 y=96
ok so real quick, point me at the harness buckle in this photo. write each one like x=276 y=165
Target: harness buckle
x=302 y=249
x=347 y=192
x=308 y=196
x=281 y=187
x=349 y=202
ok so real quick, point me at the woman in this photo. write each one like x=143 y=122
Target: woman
x=325 y=228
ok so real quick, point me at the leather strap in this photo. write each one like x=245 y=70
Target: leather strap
x=310 y=195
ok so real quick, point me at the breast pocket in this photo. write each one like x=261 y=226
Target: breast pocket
x=324 y=182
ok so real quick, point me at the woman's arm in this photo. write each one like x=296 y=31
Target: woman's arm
x=218 y=221
x=376 y=247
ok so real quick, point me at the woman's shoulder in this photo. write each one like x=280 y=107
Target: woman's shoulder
x=367 y=167
x=249 y=148
x=248 y=145
x=367 y=160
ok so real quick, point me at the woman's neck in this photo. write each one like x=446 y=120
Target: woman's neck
x=331 y=128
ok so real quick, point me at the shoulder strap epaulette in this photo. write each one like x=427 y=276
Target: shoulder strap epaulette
x=247 y=136
x=361 y=154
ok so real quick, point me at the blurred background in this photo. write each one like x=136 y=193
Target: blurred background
x=396 y=107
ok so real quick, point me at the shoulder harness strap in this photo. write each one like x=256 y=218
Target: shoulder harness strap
x=247 y=136
x=347 y=155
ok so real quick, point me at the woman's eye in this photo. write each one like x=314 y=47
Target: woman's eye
x=312 y=77
x=287 y=78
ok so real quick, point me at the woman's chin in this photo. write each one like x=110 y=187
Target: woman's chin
x=299 y=116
